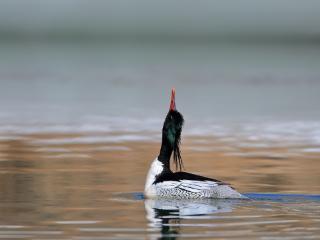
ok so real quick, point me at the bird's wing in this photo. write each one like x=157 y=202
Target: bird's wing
x=187 y=182
x=188 y=185
x=168 y=184
x=196 y=186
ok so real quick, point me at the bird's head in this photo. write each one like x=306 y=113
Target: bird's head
x=171 y=131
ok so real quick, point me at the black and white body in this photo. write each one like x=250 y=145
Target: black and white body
x=161 y=182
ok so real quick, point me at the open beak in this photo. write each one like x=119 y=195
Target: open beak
x=173 y=100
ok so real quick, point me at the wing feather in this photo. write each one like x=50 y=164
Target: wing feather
x=168 y=184
x=197 y=186
x=186 y=182
x=188 y=185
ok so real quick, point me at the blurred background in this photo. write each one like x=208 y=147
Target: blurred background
x=85 y=87
x=230 y=60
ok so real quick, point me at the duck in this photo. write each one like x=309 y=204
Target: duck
x=162 y=182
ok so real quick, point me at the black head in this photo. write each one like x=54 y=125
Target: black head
x=171 y=133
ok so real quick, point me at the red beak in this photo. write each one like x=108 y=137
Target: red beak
x=173 y=100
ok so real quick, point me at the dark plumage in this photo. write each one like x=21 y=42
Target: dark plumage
x=171 y=138
x=177 y=176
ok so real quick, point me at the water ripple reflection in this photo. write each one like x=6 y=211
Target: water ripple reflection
x=233 y=218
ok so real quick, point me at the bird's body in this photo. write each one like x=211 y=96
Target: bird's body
x=161 y=182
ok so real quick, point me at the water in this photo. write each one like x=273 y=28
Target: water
x=80 y=124
x=80 y=185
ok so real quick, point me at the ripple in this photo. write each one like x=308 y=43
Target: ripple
x=106 y=229
x=230 y=224
x=13 y=236
x=93 y=139
x=311 y=150
x=52 y=150
x=264 y=155
x=111 y=148
x=67 y=155
x=12 y=226
x=282 y=197
x=77 y=222
x=31 y=232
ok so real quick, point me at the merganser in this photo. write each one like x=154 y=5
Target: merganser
x=161 y=182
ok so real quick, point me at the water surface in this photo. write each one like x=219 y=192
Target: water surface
x=79 y=186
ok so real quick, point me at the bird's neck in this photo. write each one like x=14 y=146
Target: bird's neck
x=165 y=153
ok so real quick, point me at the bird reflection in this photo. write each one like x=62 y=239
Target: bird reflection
x=167 y=214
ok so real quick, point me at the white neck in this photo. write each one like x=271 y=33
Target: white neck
x=155 y=169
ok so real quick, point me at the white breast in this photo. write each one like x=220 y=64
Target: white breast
x=155 y=169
